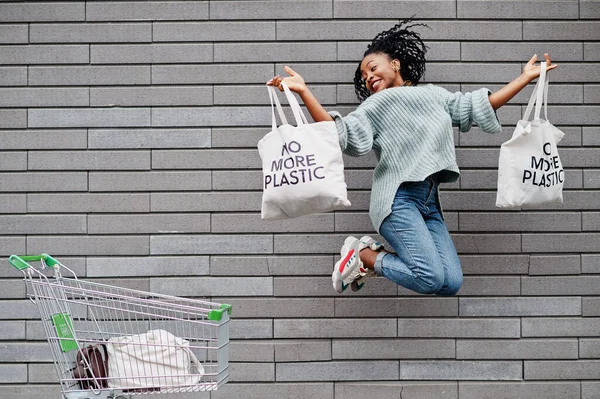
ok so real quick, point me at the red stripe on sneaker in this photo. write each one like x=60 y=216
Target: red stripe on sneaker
x=346 y=259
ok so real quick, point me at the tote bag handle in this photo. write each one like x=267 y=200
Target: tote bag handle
x=539 y=96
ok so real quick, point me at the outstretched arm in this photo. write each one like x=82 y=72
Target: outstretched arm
x=530 y=72
x=296 y=83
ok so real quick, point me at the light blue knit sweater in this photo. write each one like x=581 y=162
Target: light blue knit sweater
x=410 y=130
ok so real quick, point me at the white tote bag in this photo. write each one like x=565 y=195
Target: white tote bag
x=303 y=170
x=530 y=172
x=156 y=359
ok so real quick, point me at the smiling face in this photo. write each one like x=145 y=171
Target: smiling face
x=380 y=72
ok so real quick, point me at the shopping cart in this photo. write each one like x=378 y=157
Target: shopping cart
x=111 y=342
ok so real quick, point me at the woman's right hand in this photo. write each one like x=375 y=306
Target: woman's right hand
x=295 y=82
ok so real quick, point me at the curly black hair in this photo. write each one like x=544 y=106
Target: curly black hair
x=399 y=43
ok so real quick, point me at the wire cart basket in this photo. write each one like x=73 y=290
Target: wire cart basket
x=109 y=342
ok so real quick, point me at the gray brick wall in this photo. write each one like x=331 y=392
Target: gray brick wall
x=128 y=134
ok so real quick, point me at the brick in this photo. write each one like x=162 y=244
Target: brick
x=237 y=137
x=237 y=180
x=205 y=159
x=12 y=245
x=274 y=391
x=582 y=242
x=591 y=51
x=210 y=116
x=43 y=224
x=338 y=371
x=44 y=54
x=437 y=51
x=90 y=33
x=564 y=285
x=10 y=290
x=517 y=349
x=89 y=75
x=521 y=221
x=12 y=330
x=19 y=309
x=148 y=138
x=509 y=9
x=589 y=348
x=486 y=243
x=261 y=52
x=14 y=33
x=204 y=202
x=352 y=222
x=476 y=137
x=562 y=370
x=213 y=31
x=587 y=74
x=494 y=264
x=332 y=30
x=590 y=136
x=12 y=203
x=309 y=243
x=507 y=51
x=252 y=351
x=43 y=139
x=13 y=76
x=251 y=329
x=41 y=373
x=334 y=328
x=89 y=160
x=560 y=327
x=149 y=181
x=590 y=390
x=590 y=306
x=427 y=9
x=302 y=350
x=321 y=286
x=255 y=95
x=11 y=373
x=249 y=372
x=394 y=349
x=560 y=30
x=390 y=390
x=147 y=266
x=488 y=179
x=547 y=265
x=88 y=245
x=542 y=306
x=396 y=307
x=30 y=391
x=211 y=244
x=82 y=117
x=472 y=72
x=459 y=328
x=590 y=264
x=150 y=96
x=573 y=157
x=252 y=223
x=13 y=161
x=490 y=285
x=166 y=223
x=279 y=307
x=150 y=10
x=150 y=53
x=88 y=203
x=519 y=390
x=322 y=72
x=271 y=9
x=590 y=220
x=212 y=286
x=300 y=265
x=13 y=118
x=472 y=30
x=36 y=12
x=239 y=266
x=591 y=93
x=591 y=179
x=25 y=352
x=461 y=370
x=41 y=181
x=212 y=73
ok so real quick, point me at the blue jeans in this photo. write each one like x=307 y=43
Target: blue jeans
x=425 y=260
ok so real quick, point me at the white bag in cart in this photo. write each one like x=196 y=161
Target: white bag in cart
x=530 y=172
x=303 y=170
x=154 y=359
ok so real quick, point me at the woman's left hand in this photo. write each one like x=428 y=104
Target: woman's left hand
x=532 y=71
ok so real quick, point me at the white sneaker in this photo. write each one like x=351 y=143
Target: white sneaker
x=360 y=280
x=350 y=267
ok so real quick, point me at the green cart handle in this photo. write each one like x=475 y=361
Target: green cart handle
x=20 y=262
x=217 y=314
